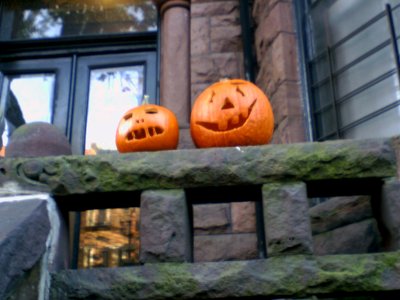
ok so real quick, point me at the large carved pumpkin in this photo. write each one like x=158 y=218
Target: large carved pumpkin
x=231 y=113
x=147 y=127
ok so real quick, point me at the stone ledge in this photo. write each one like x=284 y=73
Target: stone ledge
x=252 y=165
x=291 y=276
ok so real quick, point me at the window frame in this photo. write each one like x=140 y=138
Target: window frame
x=85 y=64
x=39 y=50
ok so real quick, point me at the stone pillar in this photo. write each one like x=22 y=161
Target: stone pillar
x=165 y=234
x=286 y=219
x=390 y=212
x=175 y=58
x=33 y=243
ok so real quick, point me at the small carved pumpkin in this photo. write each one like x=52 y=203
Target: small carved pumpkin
x=231 y=113
x=147 y=127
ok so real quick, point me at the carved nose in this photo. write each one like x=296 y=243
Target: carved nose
x=227 y=104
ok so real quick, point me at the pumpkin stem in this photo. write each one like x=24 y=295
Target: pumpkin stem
x=145 y=100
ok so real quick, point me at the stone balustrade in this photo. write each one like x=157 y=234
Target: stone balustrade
x=165 y=184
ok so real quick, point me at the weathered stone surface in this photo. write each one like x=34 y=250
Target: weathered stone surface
x=27 y=286
x=214 y=8
x=199 y=36
x=225 y=247
x=279 y=20
x=226 y=39
x=339 y=211
x=23 y=233
x=360 y=237
x=164 y=227
x=211 y=68
x=226 y=20
x=390 y=212
x=286 y=219
x=243 y=217
x=37 y=139
x=68 y=175
x=278 y=277
x=211 y=218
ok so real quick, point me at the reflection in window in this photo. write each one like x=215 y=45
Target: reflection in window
x=113 y=91
x=109 y=238
x=25 y=99
x=59 y=18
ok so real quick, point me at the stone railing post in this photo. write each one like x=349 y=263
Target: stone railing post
x=286 y=219
x=175 y=59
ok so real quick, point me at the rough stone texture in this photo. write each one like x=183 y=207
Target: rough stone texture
x=26 y=287
x=185 y=139
x=164 y=227
x=226 y=38
x=224 y=247
x=211 y=218
x=339 y=211
x=217 y=66
x=390 y=212
x=218 y=227
x=295 y=276
x=243 y=217
x=37 y=139
x=278 y=75
x=213 y=8
x=360 y=237
x=286 y=219
x=216 y=43
x=252 y=165
x=23 y=233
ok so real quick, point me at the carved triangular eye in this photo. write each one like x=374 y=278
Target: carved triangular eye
x=227 y=104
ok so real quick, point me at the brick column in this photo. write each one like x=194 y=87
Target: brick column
x=286 y=219
x=175 y=57
x=277 y=59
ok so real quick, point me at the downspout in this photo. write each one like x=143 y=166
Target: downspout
x=247 y=39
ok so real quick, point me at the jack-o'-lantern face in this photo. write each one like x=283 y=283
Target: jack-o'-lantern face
x=147 y=127
x=231 y=113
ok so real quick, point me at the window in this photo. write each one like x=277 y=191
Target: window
x=351 y=62
x=80 y=65
x=60 y=18
x=77 y=64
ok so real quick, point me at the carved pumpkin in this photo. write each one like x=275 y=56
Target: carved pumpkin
x=147 y=127
x=231 y=113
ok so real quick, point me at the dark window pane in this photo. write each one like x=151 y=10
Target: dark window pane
x=60 y=18
x=325 y=123
x=320 y=69
x=322 y=96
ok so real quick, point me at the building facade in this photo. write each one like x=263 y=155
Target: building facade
x=329 y=68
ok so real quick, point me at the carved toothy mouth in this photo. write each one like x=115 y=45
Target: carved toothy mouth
x=143 y=133
x=233 y=123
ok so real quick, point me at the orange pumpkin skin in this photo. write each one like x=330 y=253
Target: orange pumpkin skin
x=231 y=113
x=148 y=127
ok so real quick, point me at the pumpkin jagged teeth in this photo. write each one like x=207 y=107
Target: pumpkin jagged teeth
x=223 y=125
x=245 y=113
x=235 y=120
